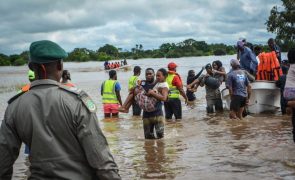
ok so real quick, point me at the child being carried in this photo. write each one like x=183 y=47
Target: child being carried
x=142 y=98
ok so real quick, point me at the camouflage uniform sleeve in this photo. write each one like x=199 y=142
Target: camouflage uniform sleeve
x=9 y=147
x=94 y=143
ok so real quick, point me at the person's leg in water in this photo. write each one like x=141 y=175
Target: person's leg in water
x=177 y=109
x=240 y=113
x=148 y=128
x=234 y=107
x=159 y=126
x=114 y=110
x=107 y=110
x=218 y=105
x=210 y=104
x=241 y=105
x=168 y=110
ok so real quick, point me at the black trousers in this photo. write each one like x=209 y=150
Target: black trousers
x=136 y=110
x=283 y=104
x=214 y=103
x=173 y=107
x=153 y=125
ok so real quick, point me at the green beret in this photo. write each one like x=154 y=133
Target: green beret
x=45 y=51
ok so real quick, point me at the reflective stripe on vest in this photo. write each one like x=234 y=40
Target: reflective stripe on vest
x=109 y=94
x=132 y=82
x=173 y=91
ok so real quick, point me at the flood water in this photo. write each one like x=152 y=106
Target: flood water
x=198 y=147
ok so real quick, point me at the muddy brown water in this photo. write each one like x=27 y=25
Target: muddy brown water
x=200 y=146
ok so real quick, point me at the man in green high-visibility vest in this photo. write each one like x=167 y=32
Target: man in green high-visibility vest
x=111 y=98
x=173 y=105
x=133 y=81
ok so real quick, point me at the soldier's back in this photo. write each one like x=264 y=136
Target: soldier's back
x=46 y=120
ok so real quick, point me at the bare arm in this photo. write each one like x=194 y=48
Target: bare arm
x=250 y=76
x=195 y=82
x=249 y=89
x=163 y=96
x=182 y=93
x=119 y=97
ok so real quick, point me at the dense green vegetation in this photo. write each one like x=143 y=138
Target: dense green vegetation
x=281 y=21
x=189 y=47
x=186 y=48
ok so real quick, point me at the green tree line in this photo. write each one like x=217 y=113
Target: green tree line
x=186 y=48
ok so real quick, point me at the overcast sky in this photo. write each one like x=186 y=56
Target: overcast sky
x=124 y=23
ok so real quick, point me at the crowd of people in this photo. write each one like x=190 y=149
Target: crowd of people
x=57 y=121
x=114 y=65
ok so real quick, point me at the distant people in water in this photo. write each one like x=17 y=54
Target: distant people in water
x=66 y=78
x=114 y=65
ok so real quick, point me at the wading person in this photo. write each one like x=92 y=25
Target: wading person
x=211 y=81
x=247 y=58
x=274 y=47
x=281 y=84
x=219 y=70
x=190 y=93
x=133 y=81
x=111 y=98
x=173 y=105
x=239 y=90
x=66 y=78
x=57 y=122
x=289 y=91
x=153 y=122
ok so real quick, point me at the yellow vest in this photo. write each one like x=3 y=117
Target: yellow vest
x=109 y=94
x=173 y=91
x=132 y=82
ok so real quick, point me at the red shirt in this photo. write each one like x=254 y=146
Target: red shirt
x=176 y=80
